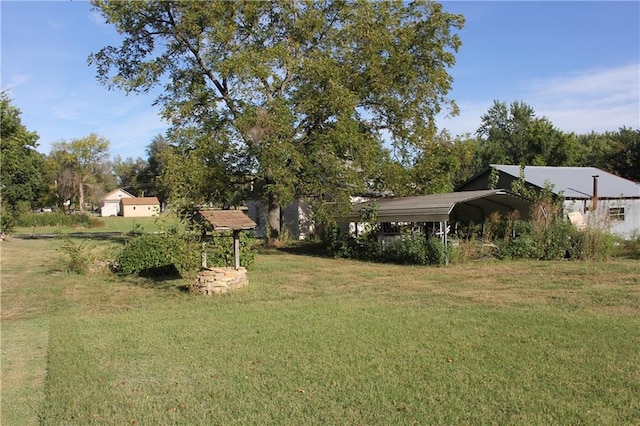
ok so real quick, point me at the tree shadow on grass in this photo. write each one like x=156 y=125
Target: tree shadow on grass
x=164 y=277
x=117 y=237
x=304 y=248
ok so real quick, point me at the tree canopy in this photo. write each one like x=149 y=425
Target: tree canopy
x=514 y=135
x=22 y=184
x=80 y=166
x=299 y=96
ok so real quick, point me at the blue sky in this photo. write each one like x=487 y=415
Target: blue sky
x=576 y=63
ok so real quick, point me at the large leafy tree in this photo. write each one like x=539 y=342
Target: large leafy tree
x=150 y=179
x=443 y=163
x=128 y=173
x=617 y=152
x=302 y=95
x=82 y=167
x=22 y=185
x=512 y=134
x=624 y=158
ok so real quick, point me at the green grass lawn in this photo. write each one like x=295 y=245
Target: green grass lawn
x=107 y=224
x=316 y=340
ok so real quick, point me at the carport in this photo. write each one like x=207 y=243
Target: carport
x=465 y=206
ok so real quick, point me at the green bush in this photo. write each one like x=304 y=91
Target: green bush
x=7 y=220
x=162 y=254
x=630 y=248
x=220 y=250
x=339 y=244
x=522 y=247
x=414 y=250
x=406 y=250
x=157 y=254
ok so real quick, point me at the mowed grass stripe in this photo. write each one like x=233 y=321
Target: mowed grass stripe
x=318 y=361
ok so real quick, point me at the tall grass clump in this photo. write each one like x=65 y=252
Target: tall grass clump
x=78 y=257
x=630 y=248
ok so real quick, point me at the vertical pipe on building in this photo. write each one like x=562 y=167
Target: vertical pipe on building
x=594 y=196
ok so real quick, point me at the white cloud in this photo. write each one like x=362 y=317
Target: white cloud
x=597 y=100
x=16 y=80
x=130 y=137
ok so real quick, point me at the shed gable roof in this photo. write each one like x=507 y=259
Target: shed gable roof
x=113 y=195
x=141 y=201
x=227 y=219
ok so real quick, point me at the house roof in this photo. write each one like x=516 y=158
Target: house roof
x=462 y=205
x=108 y=195
x=140 y=201
x=575 y=182
x=223 y=220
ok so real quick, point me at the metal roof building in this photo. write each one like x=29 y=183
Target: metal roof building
x=575 y=182
x=596 y=196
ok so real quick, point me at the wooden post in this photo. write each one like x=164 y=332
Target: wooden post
x=203 y=254
x=236 y=249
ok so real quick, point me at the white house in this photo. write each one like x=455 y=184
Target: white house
x=591 y=196
x=110 y=202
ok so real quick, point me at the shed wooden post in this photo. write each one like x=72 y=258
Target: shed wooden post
x=236 y=249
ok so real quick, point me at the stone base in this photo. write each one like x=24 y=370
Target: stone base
x=220 y=280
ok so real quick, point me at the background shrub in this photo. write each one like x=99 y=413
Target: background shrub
x=219 y=250
x=161 y=254
x=409 y=250
x=7 y=220
x=630 y=248
x=522 y=247
x=58 y=219
x=156 y=254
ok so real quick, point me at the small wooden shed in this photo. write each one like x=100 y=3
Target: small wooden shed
x=228 y=220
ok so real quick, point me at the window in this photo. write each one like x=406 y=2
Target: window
x=616 y=213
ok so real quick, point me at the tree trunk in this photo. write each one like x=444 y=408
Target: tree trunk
x=273 y=221
x=81 y=194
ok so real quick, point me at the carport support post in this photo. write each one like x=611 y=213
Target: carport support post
x=445 y=242
x=236 y=249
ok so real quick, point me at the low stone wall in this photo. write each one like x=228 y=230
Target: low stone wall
x=220 y=280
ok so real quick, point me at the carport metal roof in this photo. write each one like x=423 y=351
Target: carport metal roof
x=453 y=206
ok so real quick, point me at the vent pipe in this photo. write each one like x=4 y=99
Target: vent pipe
x=594 y=197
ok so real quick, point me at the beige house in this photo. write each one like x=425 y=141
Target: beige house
x=139 y=207
x=110 y=202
